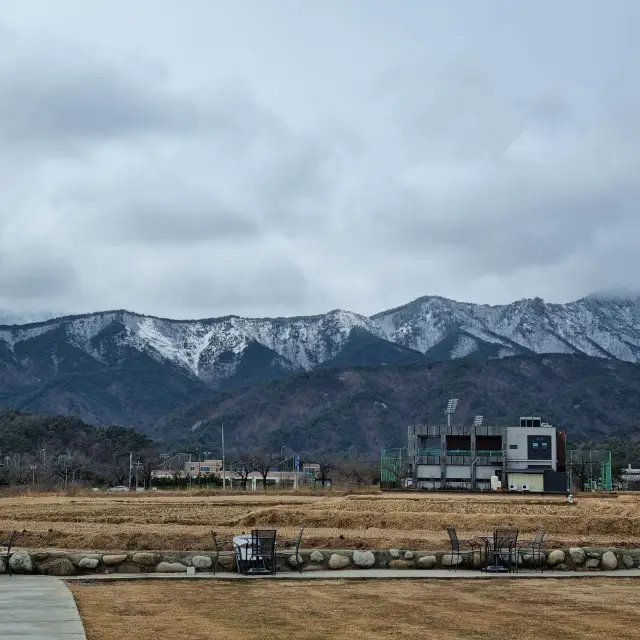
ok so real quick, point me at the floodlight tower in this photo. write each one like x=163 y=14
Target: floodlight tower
x=165 y=457
x=477 y=421
x=452 y=405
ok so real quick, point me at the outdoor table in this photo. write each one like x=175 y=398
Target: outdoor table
x=493 y=555
x=244 y=553
x=243 y=549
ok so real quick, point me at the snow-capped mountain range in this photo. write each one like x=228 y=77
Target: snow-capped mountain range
x=598 y=325
x=429 y=328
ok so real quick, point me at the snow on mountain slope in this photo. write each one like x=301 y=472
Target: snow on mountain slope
x=217 y=349
x=602 y=327
x=210 y=348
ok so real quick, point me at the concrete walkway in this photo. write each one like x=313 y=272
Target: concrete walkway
x=38 y=608
x=366 y=574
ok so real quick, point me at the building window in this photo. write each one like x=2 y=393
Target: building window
x=513 y=446
x=205 y=469
x=539 y=447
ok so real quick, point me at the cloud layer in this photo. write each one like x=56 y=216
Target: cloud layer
x=148 y=177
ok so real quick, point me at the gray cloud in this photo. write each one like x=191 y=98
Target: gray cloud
x=278 y=285
x=249 y=278
x=155 y=206
x=57 y=99
x=35 y=273
x=191 y=167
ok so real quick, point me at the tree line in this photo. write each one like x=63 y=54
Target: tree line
x=60 y=451
x=241 y=465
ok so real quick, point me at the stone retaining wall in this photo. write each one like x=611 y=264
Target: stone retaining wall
x=61 y=563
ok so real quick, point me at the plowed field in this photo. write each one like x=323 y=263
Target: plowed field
x=145 y=521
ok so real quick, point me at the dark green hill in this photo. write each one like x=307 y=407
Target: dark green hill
x=365 y=409
x=136 y=392
x=55 y=451
x=27 y=433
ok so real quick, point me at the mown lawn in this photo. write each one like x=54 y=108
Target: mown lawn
x=550 y=609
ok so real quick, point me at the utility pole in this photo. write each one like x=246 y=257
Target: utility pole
x=130 y=468
x=224 y=479
x=137 y=469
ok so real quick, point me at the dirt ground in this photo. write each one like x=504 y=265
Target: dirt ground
x=417 y=521
x=209 y=610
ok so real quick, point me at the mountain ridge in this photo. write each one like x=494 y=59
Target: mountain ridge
x=121 y=366
x=591 y=325
x=360 y=410
x=603 y=295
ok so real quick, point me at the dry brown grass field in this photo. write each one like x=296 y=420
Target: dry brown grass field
x=367 y=610
x=418 y=521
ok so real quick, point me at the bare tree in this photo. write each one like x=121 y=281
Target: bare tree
x=263 y=463
x=149 y=462
x=358 y=471
x=241 y=467
x=326 y=466
x=68 y=468
x=398 y=471
x=60 y=469
x=14 y=469
x=582 y=472
x=20 y=469
x=116 y=472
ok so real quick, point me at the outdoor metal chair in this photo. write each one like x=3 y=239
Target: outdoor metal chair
x=225 y=548
x=5 y=550
x=263 y=552
x=505 y=547
x=473 y=547
x=534 y=548
x=291 y=548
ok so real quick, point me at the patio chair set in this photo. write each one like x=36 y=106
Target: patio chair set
x=5 y=549
x=497 y=553
x=256 y=553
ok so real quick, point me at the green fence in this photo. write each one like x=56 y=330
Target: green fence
x=589 y=470
x=394 y=469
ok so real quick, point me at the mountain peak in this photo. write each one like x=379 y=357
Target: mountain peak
x=444 y=328
x=615 y=294
x=65 y=362
x=217 y=350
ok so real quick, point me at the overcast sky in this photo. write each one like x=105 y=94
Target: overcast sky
x=271 y=157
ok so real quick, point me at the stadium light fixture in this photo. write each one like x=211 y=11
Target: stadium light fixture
x=452 y=405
